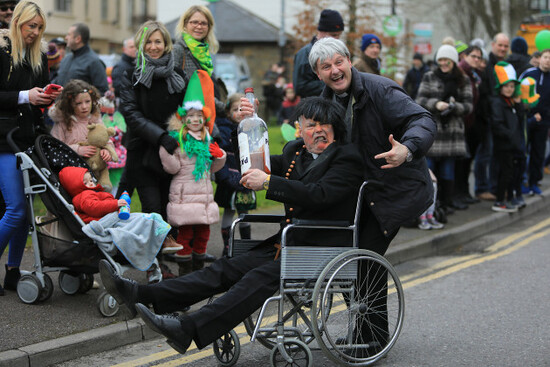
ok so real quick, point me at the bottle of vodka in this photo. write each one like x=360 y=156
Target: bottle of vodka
x=253 y=140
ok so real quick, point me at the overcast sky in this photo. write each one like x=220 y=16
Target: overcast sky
x=270 y=10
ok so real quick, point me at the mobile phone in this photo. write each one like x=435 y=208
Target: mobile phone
x=50 y=88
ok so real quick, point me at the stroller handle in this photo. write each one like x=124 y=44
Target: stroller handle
x=10 y=141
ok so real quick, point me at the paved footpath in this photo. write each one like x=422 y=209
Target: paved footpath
x=66 y=327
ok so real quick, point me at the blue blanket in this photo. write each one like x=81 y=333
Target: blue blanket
x=138 y=238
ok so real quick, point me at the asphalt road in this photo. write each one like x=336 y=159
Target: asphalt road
x=486 y=304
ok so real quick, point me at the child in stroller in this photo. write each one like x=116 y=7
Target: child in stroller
x=138 y=238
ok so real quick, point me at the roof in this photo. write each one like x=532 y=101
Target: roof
x=232 y=27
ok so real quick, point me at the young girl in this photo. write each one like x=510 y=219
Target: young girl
x=73 y=112
x=227 y=178
x=191 y=204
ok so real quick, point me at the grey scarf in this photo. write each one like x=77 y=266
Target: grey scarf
x=161 y=68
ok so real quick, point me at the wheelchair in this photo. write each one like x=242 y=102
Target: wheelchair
x=326 y=295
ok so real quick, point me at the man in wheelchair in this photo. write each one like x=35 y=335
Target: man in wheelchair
x=316 y=177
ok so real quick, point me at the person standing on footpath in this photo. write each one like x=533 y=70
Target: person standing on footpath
x=126 y=64
x=306 y=83
x=393 y=134
x=414 y=75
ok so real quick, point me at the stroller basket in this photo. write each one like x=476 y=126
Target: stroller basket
x=80 y=257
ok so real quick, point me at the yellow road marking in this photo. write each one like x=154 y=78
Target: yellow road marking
x=448 y=267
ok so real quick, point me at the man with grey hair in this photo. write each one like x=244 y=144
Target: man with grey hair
x=82 y=63
x=393 y=133
x=127 y=63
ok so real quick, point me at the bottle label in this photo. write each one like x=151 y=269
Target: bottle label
x=267 y=159
x=244 y=152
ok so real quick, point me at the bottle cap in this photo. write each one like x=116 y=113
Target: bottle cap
x=249 y=90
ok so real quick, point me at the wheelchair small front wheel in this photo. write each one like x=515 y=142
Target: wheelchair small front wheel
x=227 y=349
x=297 y=350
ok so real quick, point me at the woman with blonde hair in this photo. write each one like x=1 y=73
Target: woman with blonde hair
x=148 y=97
x=23 y=75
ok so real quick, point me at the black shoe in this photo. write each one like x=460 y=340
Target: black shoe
x=11 y=279
x=458 y=205
x=2 y=291
x=469 y=199
x=124 y=291
x=167 y=325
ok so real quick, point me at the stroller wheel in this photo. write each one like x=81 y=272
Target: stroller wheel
x=68 y=283
x=47 y=291
x=107 y=305
x=86 y=282
x=29 y=288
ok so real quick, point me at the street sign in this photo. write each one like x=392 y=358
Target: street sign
x=392 y=25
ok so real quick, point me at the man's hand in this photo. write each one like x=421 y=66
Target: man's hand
x=246 y=109
x=394 y=157
x=253 y=179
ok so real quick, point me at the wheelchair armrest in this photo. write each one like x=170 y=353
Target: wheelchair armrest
x=261 y=218
x=323 y=223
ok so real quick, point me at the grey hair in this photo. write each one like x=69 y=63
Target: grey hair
x=125 y=42
x=326 y=48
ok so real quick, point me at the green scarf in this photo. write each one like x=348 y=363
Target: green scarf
x=198 y=148
x=201 y=52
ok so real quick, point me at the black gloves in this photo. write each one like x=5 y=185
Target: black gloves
x=169 y=143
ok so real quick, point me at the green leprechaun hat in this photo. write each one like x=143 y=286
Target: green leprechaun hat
x=529 y=94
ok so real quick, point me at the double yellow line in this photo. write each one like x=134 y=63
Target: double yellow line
x=501 y=248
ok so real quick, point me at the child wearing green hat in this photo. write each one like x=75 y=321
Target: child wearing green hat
x=507 y=124
x=191 y=207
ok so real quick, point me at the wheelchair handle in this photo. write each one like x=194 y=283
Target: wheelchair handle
x=10 y=141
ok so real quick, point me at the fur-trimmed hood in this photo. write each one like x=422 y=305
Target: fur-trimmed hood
x=174 y=123
x=4 y=41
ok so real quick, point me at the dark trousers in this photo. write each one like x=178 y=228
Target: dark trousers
x=505 y=161
x=247 y=280
x=514 y=189
x=537 y=147
x=372 y=238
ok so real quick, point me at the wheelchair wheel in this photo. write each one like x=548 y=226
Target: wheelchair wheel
x=357 y=329
x=227 y=349
x=297 y=321
x=68 y=283
x=47 y=291
x=297 y=350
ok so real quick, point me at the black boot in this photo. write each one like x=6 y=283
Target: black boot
x=225 y=237
x=12 y=277
x=185 y=267
x=198 y=262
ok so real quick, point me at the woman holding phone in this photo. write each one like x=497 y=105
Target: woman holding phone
x=23 y=74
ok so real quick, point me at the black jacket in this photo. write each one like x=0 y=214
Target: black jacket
x=126 y=64
x=507 y=125
x=305 y=82
x=382 y=108
x=12 y=81
x=326 y=190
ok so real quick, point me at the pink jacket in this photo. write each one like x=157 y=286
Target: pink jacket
x=79 y=130
x=190 y=201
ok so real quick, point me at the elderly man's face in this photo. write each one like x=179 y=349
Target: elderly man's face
x=500 y=47
x=335 y=72
x=316 y=137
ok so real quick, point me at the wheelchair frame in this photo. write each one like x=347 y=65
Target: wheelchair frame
x=313 y=277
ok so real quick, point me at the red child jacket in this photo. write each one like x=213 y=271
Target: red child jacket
x=90 y=204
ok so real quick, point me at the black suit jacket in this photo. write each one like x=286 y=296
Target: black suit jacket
x=326 y=189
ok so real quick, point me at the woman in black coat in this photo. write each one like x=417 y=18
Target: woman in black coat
x=23 y=74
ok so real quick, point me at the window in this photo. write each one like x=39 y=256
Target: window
x=143 y=7
x=538 y=4
x=104 y=10
x=63 y=5
x=86 y=8
x=130 y=14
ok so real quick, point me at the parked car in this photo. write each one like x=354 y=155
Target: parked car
x=234 y=72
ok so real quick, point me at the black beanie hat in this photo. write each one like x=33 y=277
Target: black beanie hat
x=519 y=45
x=330 y=21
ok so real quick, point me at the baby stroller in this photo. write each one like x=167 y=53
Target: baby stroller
x=67 y=249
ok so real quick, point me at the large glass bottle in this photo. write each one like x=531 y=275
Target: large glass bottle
x=253 y=140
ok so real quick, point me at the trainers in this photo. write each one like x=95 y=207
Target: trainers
x=525 y=189
x=535 y=190
x=154 y=274
x=166 y=272
x=434 y=223
x=424 y=224
x=520 y=203
x=170 y=245
x=501 y=206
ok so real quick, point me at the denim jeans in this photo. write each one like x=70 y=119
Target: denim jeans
x=13 y=225
x=443 y=168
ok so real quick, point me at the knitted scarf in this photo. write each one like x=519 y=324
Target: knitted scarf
x=195 y=148
x=148 y=69
x=201 y=52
